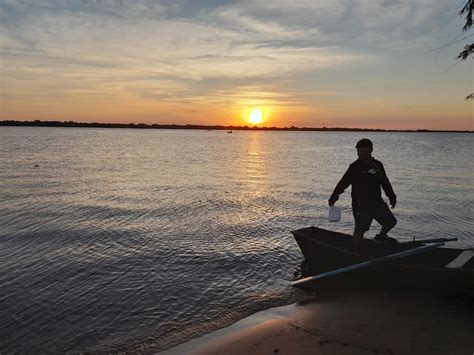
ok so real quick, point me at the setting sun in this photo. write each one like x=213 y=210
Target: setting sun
x=256 y=116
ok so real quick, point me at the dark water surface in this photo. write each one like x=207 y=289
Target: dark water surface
x=112 y=235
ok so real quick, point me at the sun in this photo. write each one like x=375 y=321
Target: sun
x=256 y=116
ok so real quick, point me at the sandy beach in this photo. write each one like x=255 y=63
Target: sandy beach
x=358 y=323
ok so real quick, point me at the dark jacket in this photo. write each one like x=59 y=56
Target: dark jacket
x=366 y=178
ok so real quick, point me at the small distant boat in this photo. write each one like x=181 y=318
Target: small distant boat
x=229 y=131
x=326 y=253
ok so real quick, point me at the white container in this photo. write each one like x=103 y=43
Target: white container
x=334 y=214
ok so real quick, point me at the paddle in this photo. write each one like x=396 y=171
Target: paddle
x=364 y=264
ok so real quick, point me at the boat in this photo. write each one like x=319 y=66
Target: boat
x=419 y=264
x=229 y=131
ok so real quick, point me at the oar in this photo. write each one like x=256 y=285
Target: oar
x=398 y=255
x=437 y=240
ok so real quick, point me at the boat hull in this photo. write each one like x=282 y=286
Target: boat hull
x=326 y=250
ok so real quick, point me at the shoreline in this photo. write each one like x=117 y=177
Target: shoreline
x=73 y=124
x=176 y=333
x=352 y=323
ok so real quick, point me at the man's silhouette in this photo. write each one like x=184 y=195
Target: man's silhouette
x=367 y=176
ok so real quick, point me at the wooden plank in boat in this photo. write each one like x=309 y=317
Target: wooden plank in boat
x=461 y=259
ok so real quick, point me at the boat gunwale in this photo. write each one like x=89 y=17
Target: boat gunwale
x=398 y=263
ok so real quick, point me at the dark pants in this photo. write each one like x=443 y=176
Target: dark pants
x=381 y=213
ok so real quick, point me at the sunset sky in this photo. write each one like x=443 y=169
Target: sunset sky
x=314 y=63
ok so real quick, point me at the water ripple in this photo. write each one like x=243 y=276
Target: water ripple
x=122 y=234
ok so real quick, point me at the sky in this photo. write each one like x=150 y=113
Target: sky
x=305 y=63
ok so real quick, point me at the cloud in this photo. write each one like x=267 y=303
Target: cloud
x=188 y=41
x=196 y=50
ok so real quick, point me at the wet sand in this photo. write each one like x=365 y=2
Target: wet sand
x=356 y=323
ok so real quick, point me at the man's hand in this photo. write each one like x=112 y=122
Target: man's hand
x=393 y=202
x=331 y=203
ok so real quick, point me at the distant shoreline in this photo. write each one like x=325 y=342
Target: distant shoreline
x=38 y=123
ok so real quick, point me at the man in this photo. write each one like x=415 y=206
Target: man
x=367 y=176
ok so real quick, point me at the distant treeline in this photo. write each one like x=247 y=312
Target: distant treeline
x=38 y=123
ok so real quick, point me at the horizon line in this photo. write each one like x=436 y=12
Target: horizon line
x=72 y=124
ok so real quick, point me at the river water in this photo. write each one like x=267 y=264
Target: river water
x=117 y=236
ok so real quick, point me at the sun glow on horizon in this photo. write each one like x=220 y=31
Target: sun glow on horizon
x=256 y=115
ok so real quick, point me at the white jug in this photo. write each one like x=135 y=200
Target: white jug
x=334 y=214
